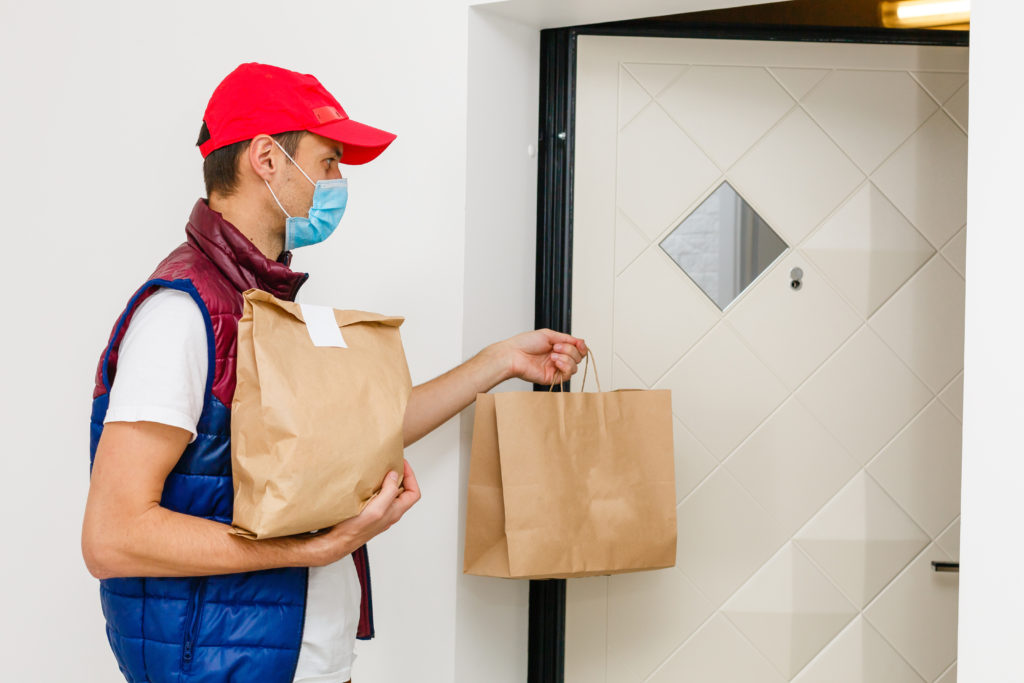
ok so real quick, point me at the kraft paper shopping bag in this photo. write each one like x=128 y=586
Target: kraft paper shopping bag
x=316 y=419
x=565 y=484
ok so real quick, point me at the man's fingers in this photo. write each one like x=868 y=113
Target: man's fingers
x=560 y=338
x=391 y=502
x=389 y=489
x=410 y=495
x=565 y=363
x=385 y=497
x=409 y=476
x=567 y=352
x=411 y=485
x=577 y=344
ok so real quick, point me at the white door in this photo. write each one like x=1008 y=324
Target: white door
x=775 y=231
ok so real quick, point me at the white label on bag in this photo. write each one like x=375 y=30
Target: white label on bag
x=322 y=326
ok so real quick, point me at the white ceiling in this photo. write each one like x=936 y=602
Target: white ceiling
x=554 y=13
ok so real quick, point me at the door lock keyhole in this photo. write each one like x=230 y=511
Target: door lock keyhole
x=796 y=278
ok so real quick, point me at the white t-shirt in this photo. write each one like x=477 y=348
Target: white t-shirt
x=161 y=377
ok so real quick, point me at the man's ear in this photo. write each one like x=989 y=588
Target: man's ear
x=262 y=156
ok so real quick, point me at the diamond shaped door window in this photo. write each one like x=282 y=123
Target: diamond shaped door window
x=723 y=245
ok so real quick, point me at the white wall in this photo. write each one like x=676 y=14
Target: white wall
x=991 y=589
x=549 y=13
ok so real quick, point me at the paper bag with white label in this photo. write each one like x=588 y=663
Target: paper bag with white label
x=316 y=418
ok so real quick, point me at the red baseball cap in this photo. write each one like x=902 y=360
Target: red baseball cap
x=259 y=99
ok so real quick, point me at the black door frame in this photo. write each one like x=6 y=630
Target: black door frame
x=553 y=299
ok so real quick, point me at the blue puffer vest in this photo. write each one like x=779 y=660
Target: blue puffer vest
x=230 y=627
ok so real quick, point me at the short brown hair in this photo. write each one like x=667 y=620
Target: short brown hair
x=220 y=168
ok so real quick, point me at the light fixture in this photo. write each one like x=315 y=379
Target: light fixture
x=926 y=13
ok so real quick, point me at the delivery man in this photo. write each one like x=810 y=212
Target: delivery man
x=184 y=599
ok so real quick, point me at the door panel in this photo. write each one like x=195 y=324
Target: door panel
x=817 y=393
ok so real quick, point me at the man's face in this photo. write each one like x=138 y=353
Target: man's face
x=318 y=157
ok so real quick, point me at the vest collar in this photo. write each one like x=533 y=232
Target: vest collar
x=237 y=258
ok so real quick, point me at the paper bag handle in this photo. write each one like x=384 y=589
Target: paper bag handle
x=586 y=364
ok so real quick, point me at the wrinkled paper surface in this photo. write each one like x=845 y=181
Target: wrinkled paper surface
x=568 y=484
x=314 y=429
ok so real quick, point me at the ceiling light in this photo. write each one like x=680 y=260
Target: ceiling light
x=925 y=13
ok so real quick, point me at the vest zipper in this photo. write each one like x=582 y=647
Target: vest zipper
x=192 y=623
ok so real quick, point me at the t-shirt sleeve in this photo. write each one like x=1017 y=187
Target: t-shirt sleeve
x=162 y=363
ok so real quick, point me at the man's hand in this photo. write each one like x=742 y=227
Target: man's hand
x=542 y=356
x=383 y=510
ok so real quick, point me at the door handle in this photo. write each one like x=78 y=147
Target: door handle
x=946 y=566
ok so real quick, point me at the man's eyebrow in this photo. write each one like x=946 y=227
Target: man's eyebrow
x=336 y=151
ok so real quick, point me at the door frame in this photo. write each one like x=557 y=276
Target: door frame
x=555 y=159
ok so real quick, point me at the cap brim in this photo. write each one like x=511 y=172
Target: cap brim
x=359 y=143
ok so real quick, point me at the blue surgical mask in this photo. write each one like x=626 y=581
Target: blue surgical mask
x=329 y=200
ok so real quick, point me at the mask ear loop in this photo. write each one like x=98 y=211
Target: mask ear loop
x=293 y=163
x=276 y=200
x=272 y=194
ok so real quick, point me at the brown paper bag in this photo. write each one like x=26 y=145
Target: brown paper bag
x=571 y=484
x=314 y=429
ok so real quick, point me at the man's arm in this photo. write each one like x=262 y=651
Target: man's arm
x=127 y=533
x=540 y=356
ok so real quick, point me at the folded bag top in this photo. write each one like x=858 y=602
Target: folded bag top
x=315 y=425
x=343 y=316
